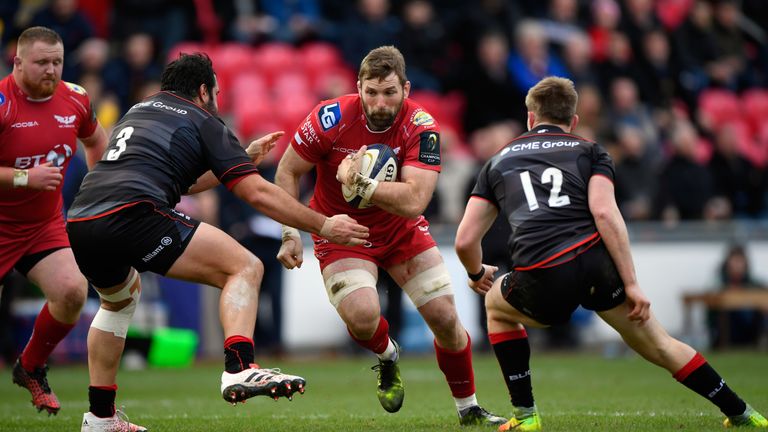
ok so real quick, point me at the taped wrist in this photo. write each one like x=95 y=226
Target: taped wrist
x=20 y=178
x=364 y=186
x=290 y=232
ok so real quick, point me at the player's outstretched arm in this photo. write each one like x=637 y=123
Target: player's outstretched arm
x=277 y=204
x=613 y=231
x=257 y=150
x=478 y=218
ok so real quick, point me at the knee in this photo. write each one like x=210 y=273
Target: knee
x=70 y=293
x=250 y=269
x=363 y=321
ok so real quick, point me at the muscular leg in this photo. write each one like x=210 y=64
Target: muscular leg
x=652 y=342
x=649 y=339
x=360 y=309
x=426 y=281
x=212 y=258
x=64 y=287
x=65 y=290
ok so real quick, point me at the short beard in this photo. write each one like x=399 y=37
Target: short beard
x=39 y=91
x=211 y=108
x=380 y=121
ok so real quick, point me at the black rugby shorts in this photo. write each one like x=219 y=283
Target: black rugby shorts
x=550 y=295
x=144 y=236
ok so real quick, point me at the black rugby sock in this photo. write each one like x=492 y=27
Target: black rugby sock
x=514 y=353
x=238 y=353
x=102 y=400
x=700 y=377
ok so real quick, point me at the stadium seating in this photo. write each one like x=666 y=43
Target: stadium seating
x=718 y=107
x=755 y=105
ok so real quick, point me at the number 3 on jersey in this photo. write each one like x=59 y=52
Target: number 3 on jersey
x=122 y=138
x=550 y=175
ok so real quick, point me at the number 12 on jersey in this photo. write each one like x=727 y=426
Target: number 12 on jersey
x=550 y=175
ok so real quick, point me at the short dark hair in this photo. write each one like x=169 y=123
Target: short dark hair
x=184 y=75
x=381 y=62
x=553 y=99
x=38 y=33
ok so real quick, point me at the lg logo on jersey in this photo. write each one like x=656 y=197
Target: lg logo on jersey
x=57 y=156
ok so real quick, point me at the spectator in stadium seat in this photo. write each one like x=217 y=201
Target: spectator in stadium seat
x=685 y=185
x=637 y=171
x=174 y=143
x=41 y=120
x=333 y=139
x=569 y=246
x=745 y=326
x=125 y=75
x=531 y=59
x=487 y=74
x=371 y=24
x=423 y=44
x=735 y=177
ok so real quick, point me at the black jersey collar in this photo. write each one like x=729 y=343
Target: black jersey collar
x=545 y=128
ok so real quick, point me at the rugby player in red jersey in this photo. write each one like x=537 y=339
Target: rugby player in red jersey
x=333 y=138
x=41 y=119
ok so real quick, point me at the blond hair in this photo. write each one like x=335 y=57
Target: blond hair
x=381 y=62
x=553 y=99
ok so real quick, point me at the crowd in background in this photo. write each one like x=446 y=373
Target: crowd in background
x=676 y=89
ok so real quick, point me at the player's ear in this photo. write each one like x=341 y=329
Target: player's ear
x=531 y=120
x=407 y=89
x=16 y=61
x=202 y=91
x=574 y=122
x=359 y=87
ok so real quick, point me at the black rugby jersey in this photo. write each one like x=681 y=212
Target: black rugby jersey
x=155 y=153
x=539 y=183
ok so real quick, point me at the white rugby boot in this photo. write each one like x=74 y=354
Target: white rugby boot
x=255 y=381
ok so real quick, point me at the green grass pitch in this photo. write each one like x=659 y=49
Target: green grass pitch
x=574 y=392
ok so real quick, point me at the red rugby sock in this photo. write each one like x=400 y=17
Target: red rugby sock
x=457 y=368
x=48 y=332
x=378 y=343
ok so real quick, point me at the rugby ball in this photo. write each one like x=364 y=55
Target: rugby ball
x=379 y=163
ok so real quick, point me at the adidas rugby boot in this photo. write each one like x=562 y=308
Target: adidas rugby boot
x=117 y=423
x=256 y=381
x=390 y=390
x=36 y=382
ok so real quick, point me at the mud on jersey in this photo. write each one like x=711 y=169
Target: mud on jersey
x=156 y=152
x=337 y=128
x=33 y=132
x=539 y=183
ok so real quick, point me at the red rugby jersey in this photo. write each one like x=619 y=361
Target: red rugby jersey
x=337 y=127
x=33 y=132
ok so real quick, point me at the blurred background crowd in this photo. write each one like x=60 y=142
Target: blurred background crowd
x=677 y=90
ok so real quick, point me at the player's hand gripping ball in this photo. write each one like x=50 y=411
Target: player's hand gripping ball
x=379 y=163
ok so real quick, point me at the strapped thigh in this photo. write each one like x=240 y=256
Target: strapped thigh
x=341 y=284
x=429 y=284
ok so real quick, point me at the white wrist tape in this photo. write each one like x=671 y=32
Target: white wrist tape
x=290 y=232
x=364 y=186
x=20 y=178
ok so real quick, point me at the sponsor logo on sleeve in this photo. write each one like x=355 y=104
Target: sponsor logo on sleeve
x=422 y=118
x=329 y=115
x=75 y=88
x=429 y=148
x=2 y=98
